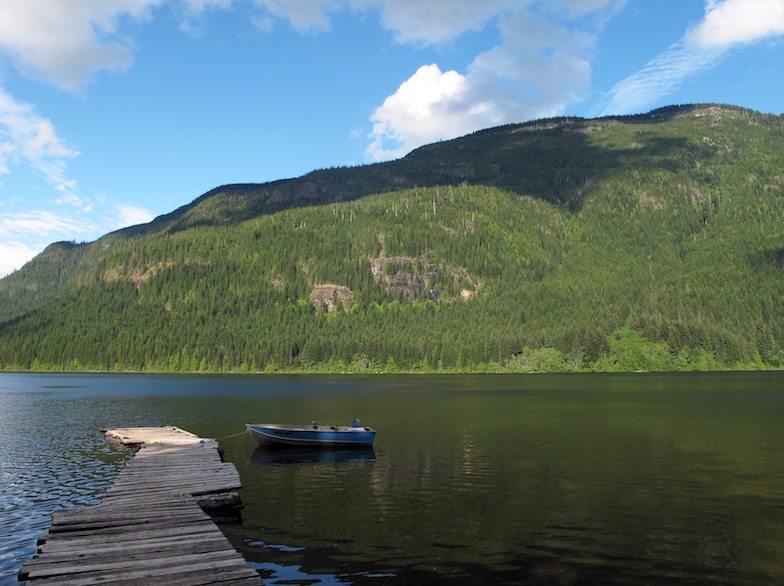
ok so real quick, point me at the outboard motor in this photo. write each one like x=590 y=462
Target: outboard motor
x=355 y=423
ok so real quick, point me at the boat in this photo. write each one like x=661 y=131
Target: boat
x=315 y=435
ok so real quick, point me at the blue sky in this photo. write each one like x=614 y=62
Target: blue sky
x=115 y=111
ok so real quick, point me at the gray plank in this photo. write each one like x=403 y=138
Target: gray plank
x=172 y=561
x=88 y=542
x=149 y=528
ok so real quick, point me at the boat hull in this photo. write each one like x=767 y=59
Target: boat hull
x=322 y=436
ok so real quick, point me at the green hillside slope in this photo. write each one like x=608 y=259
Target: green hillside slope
x=653 y=242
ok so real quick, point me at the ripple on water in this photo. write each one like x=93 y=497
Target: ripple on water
x=42 y=473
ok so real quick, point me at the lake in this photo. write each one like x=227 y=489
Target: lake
x=493 y=479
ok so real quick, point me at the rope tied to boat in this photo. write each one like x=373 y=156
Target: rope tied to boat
x=230 y=436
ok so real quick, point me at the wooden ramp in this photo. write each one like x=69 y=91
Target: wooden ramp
x=151 y=527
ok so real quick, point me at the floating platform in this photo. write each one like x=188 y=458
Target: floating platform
x=155 y=525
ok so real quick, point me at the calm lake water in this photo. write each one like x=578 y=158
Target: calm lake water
x=577 y=479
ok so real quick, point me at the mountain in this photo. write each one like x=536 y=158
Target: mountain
x=649 y=242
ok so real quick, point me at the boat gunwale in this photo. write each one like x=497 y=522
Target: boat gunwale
x=318 y=436
x=311 y=428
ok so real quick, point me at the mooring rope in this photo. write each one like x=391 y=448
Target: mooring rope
x=228 y=436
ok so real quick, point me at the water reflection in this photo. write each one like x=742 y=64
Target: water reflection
x=274 y=573
x=495 y=480
x=264 y=456
x=49 y=459
x=280 y=574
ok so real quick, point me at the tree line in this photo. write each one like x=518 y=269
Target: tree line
x=634 y=247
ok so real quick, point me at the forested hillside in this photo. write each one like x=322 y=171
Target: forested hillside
x=653 y=242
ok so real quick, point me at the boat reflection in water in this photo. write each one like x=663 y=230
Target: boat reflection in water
x=266 y=455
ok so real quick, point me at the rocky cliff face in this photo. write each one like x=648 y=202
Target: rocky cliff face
x=410 y=279
x=414 y=278
x=331 y=295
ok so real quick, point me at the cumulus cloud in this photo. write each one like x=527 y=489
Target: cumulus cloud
x=66 y=43
x=537 y=70
x=419 y=111
x=732 y=22
x=63 y=44
x=727 y=24
x=540 y=66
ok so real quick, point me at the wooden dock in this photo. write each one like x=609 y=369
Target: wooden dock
x=154 y=526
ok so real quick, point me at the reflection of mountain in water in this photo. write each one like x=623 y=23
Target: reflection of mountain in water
x=265 y=455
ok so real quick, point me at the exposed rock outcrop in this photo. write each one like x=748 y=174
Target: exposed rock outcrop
x=331 y=295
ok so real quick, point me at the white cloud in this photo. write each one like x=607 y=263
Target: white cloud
x=658 y=78
x=25 y=234
x=732 y=22
x=63 y=44
x=13 y=255
x=421 y=22
x=129 y=215
x=727 y=24
x=66 y=43
x=436 y=21
x=530 y=74
x=303 y=15
x=7 y=150
x=537 y=70
x=601 y=7
x=26 y=137
x=540 y=64
x=76 y=201
x=418 y=112
x=198 y=6
x=193 y=13
x=47 y=225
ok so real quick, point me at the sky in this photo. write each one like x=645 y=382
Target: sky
x=113 y=112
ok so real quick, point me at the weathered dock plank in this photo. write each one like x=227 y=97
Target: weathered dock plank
x=79 y=545
x=130 y=548
x=153 y=435
x=151 y=526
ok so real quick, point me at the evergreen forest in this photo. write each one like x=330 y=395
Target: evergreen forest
x=641 y=243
